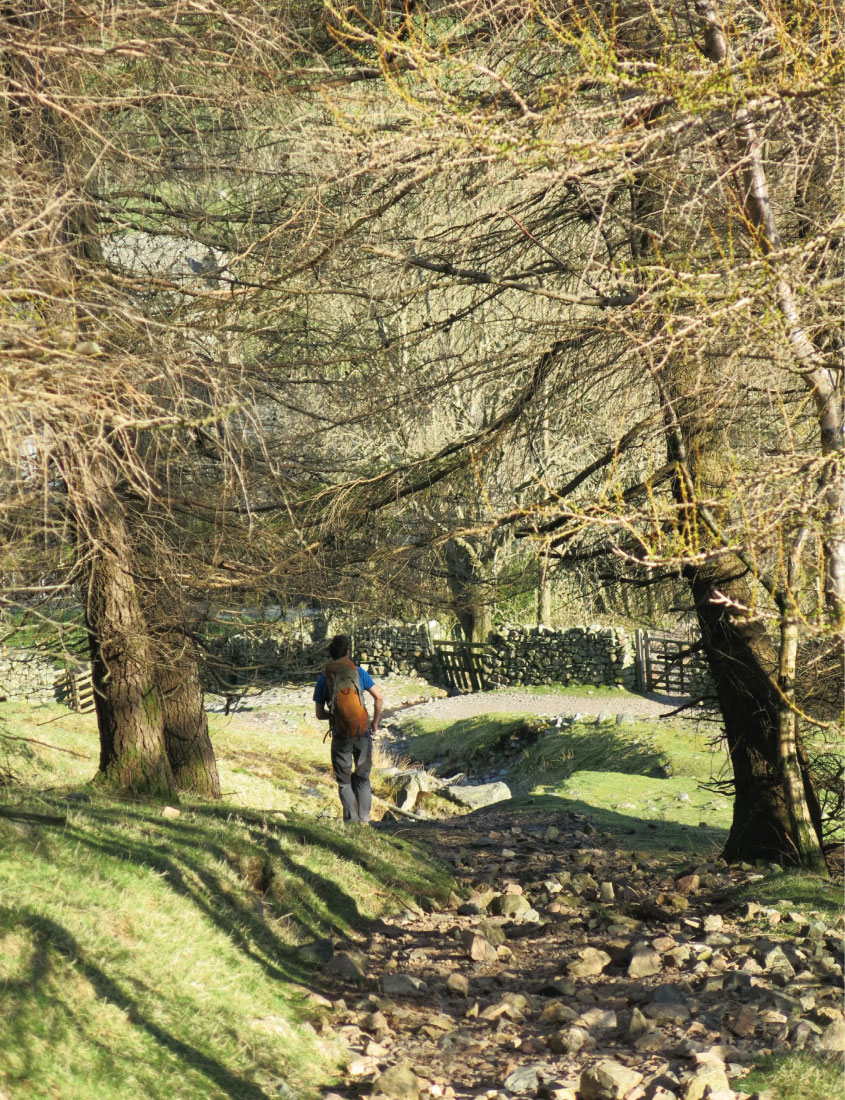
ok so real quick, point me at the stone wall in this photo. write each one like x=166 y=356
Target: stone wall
x=519 y=655
x=27 y=676
x=515 y=656
x=247 y=658
x=580 y=655
x=401 y=647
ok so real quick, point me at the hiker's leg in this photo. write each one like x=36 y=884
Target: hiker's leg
x=363 y=752
x=342 y=761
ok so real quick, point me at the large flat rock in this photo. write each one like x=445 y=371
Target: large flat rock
x=485 y=794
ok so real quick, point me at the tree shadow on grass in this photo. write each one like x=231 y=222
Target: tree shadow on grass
x=51 y=936
x=185 y=859
x=190 y=855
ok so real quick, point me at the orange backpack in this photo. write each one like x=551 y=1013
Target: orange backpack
x=348 y=715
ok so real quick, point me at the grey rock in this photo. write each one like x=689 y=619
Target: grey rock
x=522 y=1080
x=510 y=905
x=665 y=1013
x=832 y=1039
x=644 y=962
x=319 y=951
x=478 y=947
x=458 y=984
x=589 y=963
x=401 y=985
x=492 y=932
x=670 y=994
x=678 y=956
x=475 y=798
x=569 y=1040
x=638 y=1026
x=399 y=1082
x=598 y=1019
x=349 y=965
x=609 y=1080
x=706 y=1080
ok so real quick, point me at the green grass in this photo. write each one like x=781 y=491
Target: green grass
x=640 y=782
x=616 y=694
x=57 y=636
x=156 y=957
x=788 y=891
x=469 y=741
x=795 y=1077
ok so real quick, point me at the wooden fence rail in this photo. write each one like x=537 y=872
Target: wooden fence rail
x=79 y=691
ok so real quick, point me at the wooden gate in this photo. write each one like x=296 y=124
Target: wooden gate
x=670 y=663
x=79 y=691
x=460 y=665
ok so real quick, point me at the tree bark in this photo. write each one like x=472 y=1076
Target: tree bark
x=128 y=702
x=776 y=813
x=186 y=738
x=544 y=590
x=467 y=581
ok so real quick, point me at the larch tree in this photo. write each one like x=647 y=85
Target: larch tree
x=660 y=237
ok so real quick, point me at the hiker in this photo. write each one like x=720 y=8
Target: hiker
x=338 y=695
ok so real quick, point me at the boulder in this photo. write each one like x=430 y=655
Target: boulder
x=644 y=963
x=609 y=1080
x=349 y=965
x=478 y=947
x=401 y=985
x=399 y=1083
x=458 y=984
x=475 y=798
x=706 y=1080
x=522 y=1080
x=590 y=962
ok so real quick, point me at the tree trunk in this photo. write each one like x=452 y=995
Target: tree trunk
x=544 y=591
x=130 y=715
x=771 y=807
x=188 y=744
x=470 y=589
x=776 y=813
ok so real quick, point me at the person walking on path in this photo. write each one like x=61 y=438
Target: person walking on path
x=352 y=737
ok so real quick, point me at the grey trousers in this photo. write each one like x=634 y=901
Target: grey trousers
x=352 y=759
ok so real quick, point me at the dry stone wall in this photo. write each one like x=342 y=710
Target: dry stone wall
x=519 y=655
x=27 y=676
x=513 y=657
x=579 y=655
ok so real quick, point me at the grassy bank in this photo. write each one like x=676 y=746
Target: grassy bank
x=155 y=956
x=640 y=781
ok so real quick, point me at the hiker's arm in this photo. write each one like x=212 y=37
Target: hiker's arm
x=378 y=703
x=321 y=712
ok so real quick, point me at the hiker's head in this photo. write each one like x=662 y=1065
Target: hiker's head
x=339 y=646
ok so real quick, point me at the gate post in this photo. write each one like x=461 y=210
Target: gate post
x=639 y=659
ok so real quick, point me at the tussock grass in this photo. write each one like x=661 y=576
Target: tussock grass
x=147 y=956
x=795 y=1077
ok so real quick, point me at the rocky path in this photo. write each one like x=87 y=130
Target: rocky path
x=570 y=970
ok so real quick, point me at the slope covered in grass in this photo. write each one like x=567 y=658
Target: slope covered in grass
x=647 y=782
x=161 y=956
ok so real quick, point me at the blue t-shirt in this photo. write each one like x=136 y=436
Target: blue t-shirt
x=321 y=692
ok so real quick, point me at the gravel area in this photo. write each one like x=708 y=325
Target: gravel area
x=400 y=704
x=526 y=702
